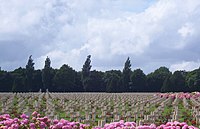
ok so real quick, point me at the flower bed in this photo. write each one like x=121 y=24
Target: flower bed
x=35 y=121
x=179 y=95
x=175 y=125
x=126 y=125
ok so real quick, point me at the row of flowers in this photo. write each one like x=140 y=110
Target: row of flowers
x=131 y=125
x=38 y=122
x=179 y=95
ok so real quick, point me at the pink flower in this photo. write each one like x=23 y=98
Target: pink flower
x=55 y=121
x=32 y=126
x=34 y=114
x=42 y=125
x=25 y=121
x=24 y=116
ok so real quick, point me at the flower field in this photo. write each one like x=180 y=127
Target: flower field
x=99 y=110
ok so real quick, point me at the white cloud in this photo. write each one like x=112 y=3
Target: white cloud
x=134 y=33
x=186 y=30
x=185 y=65
x=116 y=37
x=58 y=58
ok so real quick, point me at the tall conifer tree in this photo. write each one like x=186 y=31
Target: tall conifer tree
x=126 y=75
x=29 y=73
x=46 y=74
x=86 y=72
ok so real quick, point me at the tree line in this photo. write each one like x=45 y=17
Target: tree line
x=66 y=79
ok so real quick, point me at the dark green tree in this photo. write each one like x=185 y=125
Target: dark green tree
x=156 y=79
x=167 y=85
x=178 y=81
x=95 y=82
x=19 y=84
x=126 y=75
x=78 y=83
x=68 y=80
x=86 y=73
x=47 y=75
x=112 y=80
x=6 y=81
x=64 y=79
x=197 y=81
x=29 y=74
x=37 y=81
x=138 y=81
x=193 y=80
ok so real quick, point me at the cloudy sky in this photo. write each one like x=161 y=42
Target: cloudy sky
x=152 y=33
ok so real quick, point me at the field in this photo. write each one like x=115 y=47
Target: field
x=97 y=109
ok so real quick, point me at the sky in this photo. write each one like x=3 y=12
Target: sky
x=153 y=33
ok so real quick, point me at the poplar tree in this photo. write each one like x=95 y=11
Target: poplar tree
x=126 y=74
x=29 y=73
x=46 y=74
x=86 y=73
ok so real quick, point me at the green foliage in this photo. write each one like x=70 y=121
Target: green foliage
x=37 y=80
x=156 y=79
x=86 y=73
x=64 y=79
x=138 y=81
x=175 y=82
x=178 y=81
x=6 y=81
x=193 y=80
x=30 y=64
x=78 y=82
x=47 y=75
x=67 y=79
x=112 y=81
x=29 y=73
x=95 y=82
x=167 y=85
x=126 y=75
x=19 y=80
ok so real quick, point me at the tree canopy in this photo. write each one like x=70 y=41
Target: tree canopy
x=66 y=79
